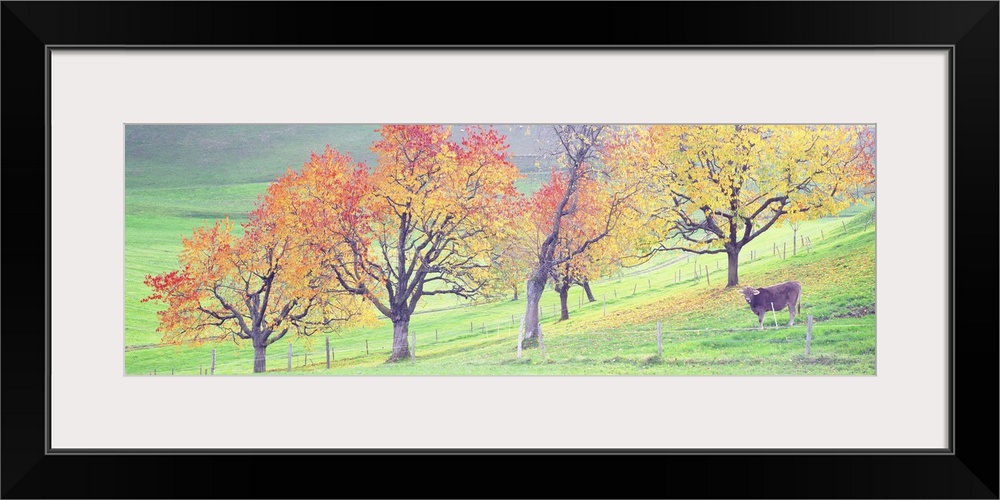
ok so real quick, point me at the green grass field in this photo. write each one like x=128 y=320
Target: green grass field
x=707 y=329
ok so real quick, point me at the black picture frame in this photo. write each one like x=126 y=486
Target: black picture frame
x=968 y=470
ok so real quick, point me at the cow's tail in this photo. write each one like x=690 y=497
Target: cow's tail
x=798 y=301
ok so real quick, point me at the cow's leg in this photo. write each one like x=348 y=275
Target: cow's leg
x=760 y=319
x=791 y=313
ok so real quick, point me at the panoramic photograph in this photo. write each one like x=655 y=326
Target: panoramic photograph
x=499 y=249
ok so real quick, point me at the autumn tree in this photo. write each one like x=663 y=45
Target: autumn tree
x=258 y=287
x=582 y=174
x=424 y=222
x=583 y=223
x=722 y=186
x=511 y=264
x=864 y=154
x=864 y=150
x=511 y=256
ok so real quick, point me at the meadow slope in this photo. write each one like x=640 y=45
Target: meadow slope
x=179 y=178
x=707 y=328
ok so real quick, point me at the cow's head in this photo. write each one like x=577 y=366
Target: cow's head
x=748 y=292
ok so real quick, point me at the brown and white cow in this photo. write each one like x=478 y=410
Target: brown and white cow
x=761 y=300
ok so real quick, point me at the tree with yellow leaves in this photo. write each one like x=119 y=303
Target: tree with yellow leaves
x=718 y=187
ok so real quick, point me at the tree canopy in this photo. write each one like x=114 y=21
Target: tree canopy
x=718 y=187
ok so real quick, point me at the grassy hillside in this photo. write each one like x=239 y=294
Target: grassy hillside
x=179 y=178
x=707 y=329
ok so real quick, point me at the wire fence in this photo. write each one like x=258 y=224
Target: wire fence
x=292 y=359
x=507 y=330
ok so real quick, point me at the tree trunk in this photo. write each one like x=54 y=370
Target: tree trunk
x=259 y=358
x=734 y=264
x=515 y=293
x=563 y=298
x=400 y=339
x=590 y=295
x=794 y=241
x=536 y=285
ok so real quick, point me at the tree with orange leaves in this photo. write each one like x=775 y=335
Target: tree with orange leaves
x=257 y=287
x=424 y=222
x=583 y=223
x=589 y=200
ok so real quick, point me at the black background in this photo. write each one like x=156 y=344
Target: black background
x=971 y=472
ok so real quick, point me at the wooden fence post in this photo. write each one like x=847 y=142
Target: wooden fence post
x=659 y=340
x=634 y=288
x=154 y=371
x=520 y=337
x=470 y=328
x=171 y=371
x=541 y=343
x=649 y=284
x=616 y=293
x=436 y=332
x=809 y=332
x=213 y=362
x=784 y=252
x=604 y=300
x=707 y=278
x=289 y=356
x=366 y=347
x=327 y=352
x=842 y=223
x=821 y=234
